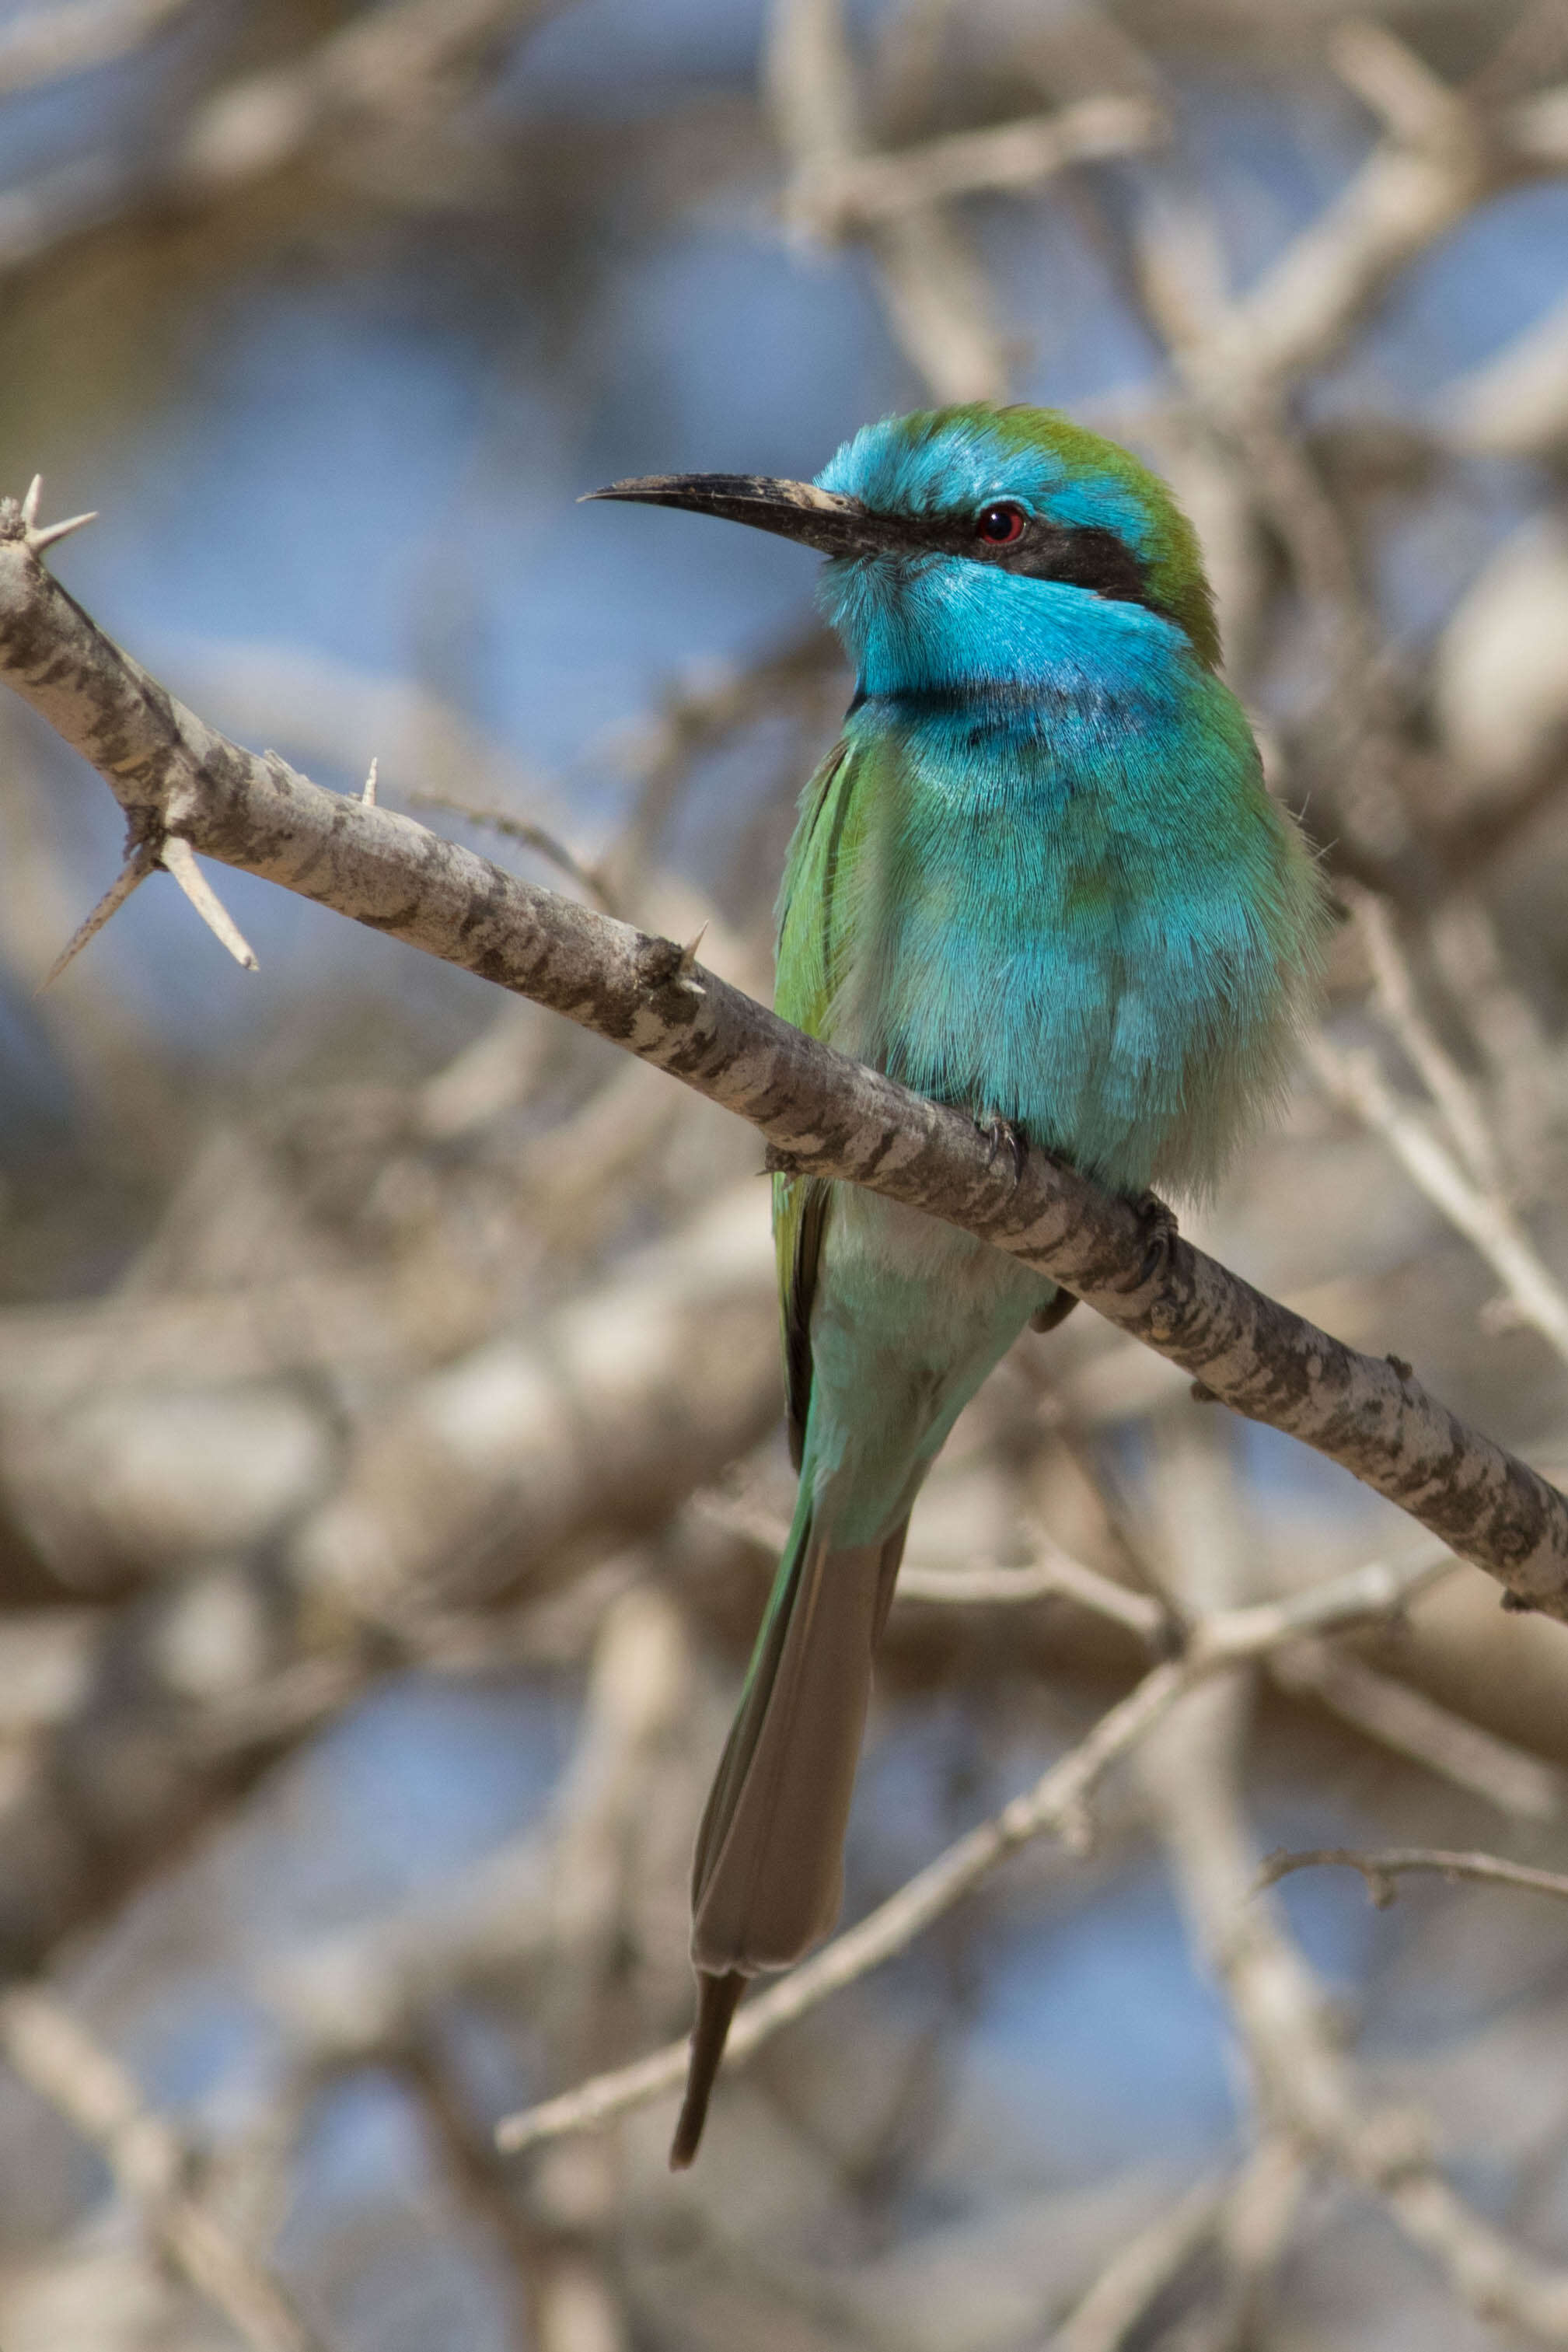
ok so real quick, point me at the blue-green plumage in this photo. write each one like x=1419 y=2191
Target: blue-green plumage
x=1041 y=878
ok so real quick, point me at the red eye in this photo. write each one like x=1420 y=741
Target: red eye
x=1000 y=525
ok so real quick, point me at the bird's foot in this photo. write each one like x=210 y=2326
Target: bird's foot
x=1158 y=1221
x=1001 y=1134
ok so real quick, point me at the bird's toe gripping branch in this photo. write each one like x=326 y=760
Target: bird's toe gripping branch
x=1157 y=1221
x=1001 y=1135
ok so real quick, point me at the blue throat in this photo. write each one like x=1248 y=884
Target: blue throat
x=1063 y=929
x=937 y=626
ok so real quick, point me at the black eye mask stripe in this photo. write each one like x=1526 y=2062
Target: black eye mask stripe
x=1083 y=555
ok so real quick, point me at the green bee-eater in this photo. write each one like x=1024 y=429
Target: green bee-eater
x=1040 y=877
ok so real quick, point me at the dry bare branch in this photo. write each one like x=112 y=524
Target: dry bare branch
x=501 y=1468
x=396 y=1254
x=1446 y=1084
x=1057 y=1804
x=1141 y=2271
x=385 y=61
x=935 y=295
x=1408 y=194
x=1009 y=158
x=1244 y=2219
x=1352 y=1077
x=1303 y=2083
x=1050 y=1575
x=1516 y=405
x=1408 y=1721
x=1380 y=1871
x=532 y=836
x=67 y=36
x=60 y=2060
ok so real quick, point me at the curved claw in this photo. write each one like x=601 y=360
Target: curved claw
x=1158 y=1219
x=999 y=1133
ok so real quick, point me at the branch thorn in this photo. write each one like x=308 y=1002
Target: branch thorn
x=38 y=540
x=686 y=964
x=368 y=794
x=178 y=858
x=689 y=954
x=135 y=870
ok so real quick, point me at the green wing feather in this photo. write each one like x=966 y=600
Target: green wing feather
x=814 y=942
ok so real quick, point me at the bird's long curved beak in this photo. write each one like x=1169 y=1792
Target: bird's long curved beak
x=820 y=519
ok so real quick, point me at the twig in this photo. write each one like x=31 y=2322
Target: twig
x=1255 y=2231
x=1401 y=201
x=821 y=1113
x=1516 y=404
x=1418 y=110
x=1415 y=1725
x=1238 y=360
x=1354 y=1078
x=865 y=190
x=1238 y=406
x=1243 y=2218
x=1304 y=2083
x=1526 y=1074
x=1448 y=1086
x=53 y=2055
x=1380 y=1870
x=532 y=836
x=67 y=36
x=1057 y=1803
x=660 y=754
x=934 y=292
x=739 y=1515
x=386 y=60
x=1052 y=1575
x=1141 y=2270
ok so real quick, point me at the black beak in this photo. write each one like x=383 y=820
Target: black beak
x=820 y=519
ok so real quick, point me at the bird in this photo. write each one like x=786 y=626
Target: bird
x=1038 y=876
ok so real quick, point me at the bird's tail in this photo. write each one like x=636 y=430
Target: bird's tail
x=768 y=1880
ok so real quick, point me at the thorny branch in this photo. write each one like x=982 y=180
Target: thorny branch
x=1302 y=2082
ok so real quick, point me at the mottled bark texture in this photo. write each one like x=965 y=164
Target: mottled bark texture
x=820 y=1112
